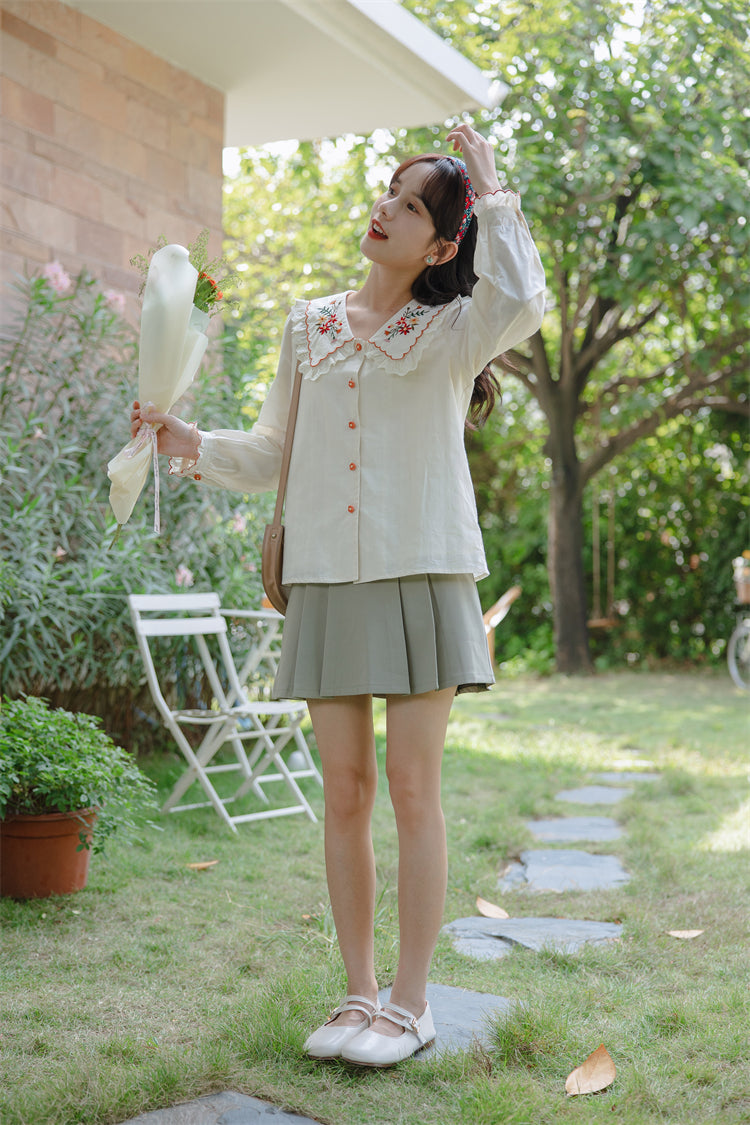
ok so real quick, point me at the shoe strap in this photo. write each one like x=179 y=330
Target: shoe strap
x=351 y=1004
x=402 y=1017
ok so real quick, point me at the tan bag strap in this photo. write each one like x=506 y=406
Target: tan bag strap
x=289 y=438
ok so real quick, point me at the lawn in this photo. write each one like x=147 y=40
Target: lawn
x=159 y=983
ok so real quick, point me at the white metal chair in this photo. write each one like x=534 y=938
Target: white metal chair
x=258 y=633
x=230 y=718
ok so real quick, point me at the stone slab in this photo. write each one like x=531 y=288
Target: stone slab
x=563 y=869
x=567 y=829
x=594 y=795
x=226 y=1108
x=615 y=777
x=461 y=1017
x=491 y=938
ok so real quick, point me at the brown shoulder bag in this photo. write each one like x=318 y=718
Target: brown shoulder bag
x=272 y=555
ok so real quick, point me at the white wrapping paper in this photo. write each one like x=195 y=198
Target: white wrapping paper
x=173 y=342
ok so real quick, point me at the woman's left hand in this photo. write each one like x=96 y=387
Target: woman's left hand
x=478 y=156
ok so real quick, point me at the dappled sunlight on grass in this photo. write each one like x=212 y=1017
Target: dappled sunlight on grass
x=733 y=834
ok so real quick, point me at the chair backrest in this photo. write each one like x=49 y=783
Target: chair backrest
x=184 y=615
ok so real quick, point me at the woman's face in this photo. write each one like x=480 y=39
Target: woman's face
x=401 y=233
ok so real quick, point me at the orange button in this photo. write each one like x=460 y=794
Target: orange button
x=352 y=466
x=197 y=476
x=350 y=508
x=352 y=383
x=358 y=346
x=352 y=425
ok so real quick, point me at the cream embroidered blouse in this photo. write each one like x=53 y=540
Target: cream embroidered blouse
x=379 y=483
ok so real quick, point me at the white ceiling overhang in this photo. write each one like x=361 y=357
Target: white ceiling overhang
x=299 y=69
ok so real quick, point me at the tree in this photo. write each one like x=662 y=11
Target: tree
x=631 y=150
x=626 y=142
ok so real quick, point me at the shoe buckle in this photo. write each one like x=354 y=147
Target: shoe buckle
x=414 y=1024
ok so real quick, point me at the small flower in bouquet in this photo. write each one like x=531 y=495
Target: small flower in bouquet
x=210 y=293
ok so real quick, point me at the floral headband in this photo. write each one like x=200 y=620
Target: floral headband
x=468 y=199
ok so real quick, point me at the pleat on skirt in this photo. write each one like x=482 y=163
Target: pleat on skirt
x=398 y=636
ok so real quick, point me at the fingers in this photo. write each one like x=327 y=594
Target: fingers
x=463 y=134
x=479 y=156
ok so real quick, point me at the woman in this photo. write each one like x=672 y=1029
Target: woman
x=383 y=547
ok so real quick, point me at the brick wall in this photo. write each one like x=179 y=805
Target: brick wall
x=104 y=147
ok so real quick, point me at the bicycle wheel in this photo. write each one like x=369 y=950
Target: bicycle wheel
x=738 y=655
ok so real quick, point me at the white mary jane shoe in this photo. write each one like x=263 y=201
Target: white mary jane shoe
x=371 y=1048
x=328 y=1040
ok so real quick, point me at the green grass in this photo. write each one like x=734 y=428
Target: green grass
x=158 y=984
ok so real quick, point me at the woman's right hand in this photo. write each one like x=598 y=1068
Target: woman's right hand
x=174 y=437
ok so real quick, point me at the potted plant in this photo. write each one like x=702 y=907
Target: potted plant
x=65 y=787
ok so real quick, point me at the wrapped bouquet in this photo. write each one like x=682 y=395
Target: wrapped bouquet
x=178 y=299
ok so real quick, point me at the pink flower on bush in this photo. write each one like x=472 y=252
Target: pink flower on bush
x=183 y=576
x=115 y=300
x=239 y=523
x=54 y=273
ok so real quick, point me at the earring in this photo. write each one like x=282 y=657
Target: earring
x=429 y=259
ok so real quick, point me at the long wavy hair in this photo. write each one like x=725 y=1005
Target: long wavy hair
x=444 y=194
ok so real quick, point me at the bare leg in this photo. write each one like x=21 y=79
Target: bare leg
x=416 y=727
x=346 y=741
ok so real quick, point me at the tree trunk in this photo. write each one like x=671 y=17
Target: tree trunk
x=565 y=557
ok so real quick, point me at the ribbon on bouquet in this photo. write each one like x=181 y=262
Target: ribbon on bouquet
x=172 y=344
x=147 y=436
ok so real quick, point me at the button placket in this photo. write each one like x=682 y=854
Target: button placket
x=351 y=459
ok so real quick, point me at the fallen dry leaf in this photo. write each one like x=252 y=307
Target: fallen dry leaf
x=489 y=910
x=203 y=866
x=685 y=935
x=596 y=1073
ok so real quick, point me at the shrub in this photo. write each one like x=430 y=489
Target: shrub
x=57 y=762
x=68 y=376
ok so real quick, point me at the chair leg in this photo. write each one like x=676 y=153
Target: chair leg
x=197 y=772
x=304 y=749
x=274 y=739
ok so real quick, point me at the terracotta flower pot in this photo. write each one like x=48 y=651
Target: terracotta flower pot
x=38 y=855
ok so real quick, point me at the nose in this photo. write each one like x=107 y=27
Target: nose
x=383 y=206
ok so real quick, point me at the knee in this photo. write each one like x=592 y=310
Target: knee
x=350 y=794
x=414 y=799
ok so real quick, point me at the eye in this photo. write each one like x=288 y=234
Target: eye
x=413 y=208
x=390 y=190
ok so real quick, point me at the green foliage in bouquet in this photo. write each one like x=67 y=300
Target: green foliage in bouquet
x=214 y=279
x=69 y=373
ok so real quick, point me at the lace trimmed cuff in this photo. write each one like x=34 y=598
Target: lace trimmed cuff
x=499 y=198
x=188 y=466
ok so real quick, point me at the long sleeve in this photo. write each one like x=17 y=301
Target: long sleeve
x=507 y=303
x=250 y=460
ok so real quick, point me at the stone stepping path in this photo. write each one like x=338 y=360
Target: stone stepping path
x=615 y=777
x=563 y=869
x=594 y=795
x=559 y=870
x=491 y=938
x=568 y=829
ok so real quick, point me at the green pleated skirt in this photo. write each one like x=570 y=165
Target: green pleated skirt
x=399 y=636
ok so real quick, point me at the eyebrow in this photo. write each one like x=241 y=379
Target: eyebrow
x=416 y=194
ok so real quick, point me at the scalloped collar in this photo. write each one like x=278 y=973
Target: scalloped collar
x=327 y=329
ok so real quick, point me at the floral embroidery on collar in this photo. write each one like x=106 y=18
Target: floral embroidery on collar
x=408 y=322
x=327 y=333
x=327 y=323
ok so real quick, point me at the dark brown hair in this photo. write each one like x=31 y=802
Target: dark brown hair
x=444 y=194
